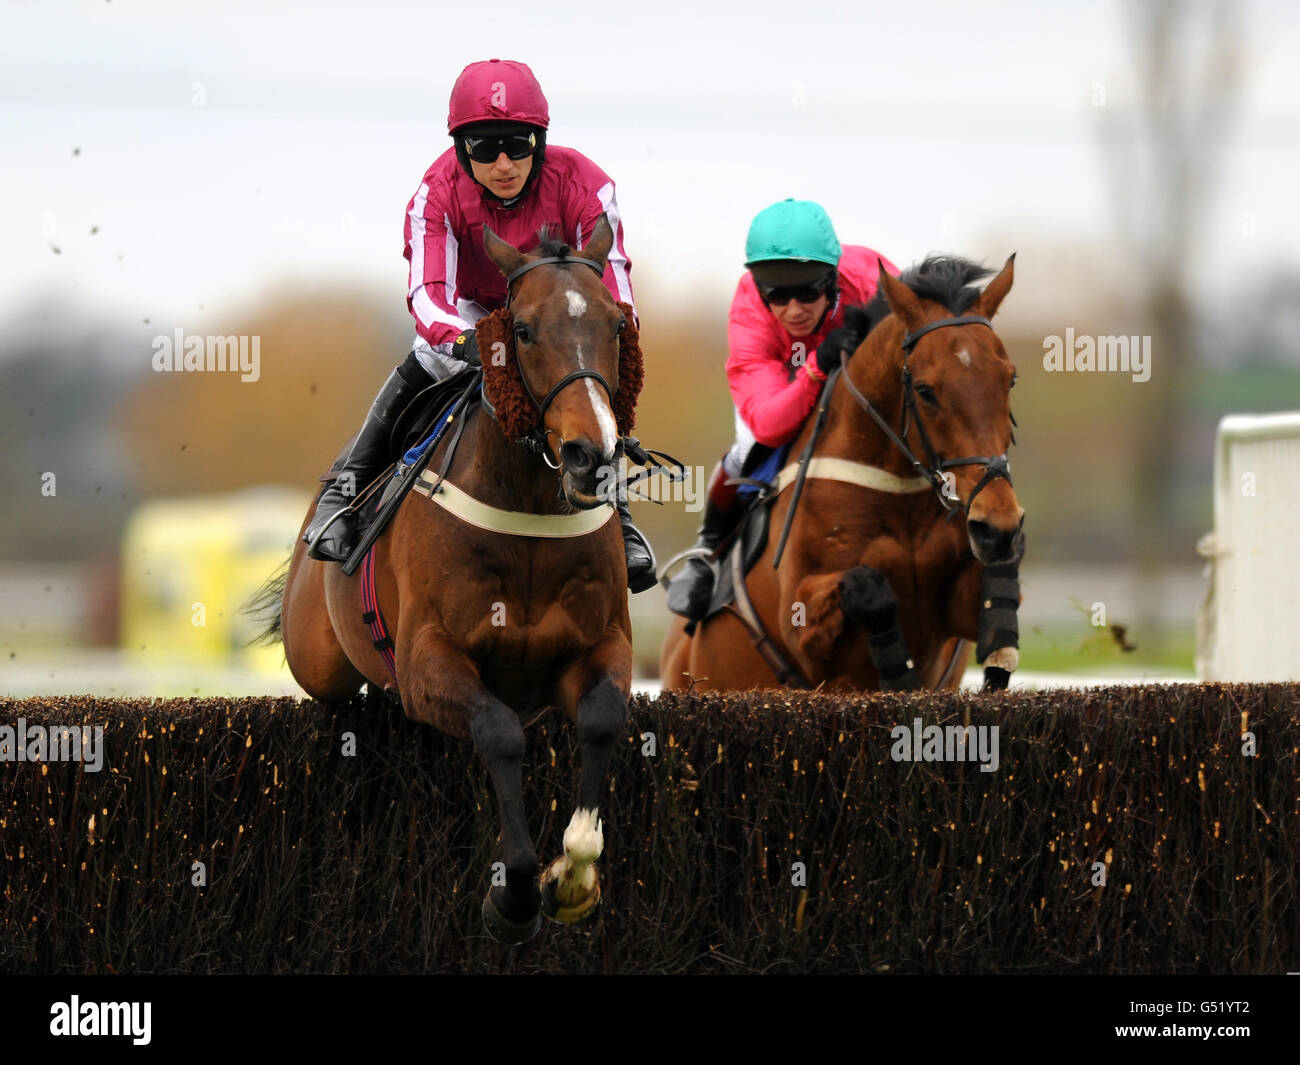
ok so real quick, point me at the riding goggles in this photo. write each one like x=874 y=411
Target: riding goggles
x=780 y=295
x=488 y=149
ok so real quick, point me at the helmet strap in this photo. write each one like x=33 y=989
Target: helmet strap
x=833 y=301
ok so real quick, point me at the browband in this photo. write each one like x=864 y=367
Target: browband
x=600 y=271
x=909 y=341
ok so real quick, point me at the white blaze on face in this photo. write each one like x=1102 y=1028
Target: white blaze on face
x=608 y=428
x=964 y=357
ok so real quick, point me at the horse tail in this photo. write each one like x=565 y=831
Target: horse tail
x=265 y=604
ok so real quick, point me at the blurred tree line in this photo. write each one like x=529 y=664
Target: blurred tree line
x=115 y=432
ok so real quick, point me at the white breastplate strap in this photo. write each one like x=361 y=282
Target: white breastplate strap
x=828 y=469
x=510 y=522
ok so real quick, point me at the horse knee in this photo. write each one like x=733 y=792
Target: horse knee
x=498 y=736
x=867 y=598
x=602 y=715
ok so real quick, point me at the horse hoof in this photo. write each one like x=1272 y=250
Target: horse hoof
x=506 y=931
x=559 y=911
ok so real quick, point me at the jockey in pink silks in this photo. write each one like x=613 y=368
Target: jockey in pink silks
x=500 y=173
x=785 y=335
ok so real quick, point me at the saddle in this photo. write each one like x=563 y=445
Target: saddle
x=411 y=432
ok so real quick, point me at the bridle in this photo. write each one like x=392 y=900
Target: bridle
x=535 y=439
x=996 y=466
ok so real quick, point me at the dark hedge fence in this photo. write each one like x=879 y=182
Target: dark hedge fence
x=321 y=862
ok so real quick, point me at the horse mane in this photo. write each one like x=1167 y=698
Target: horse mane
x=944 y=279
x=503 y=383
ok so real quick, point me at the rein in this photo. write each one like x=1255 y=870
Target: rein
x=997 y=466
x=535 y=440
x=931 y=475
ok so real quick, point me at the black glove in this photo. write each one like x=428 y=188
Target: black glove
x=847 y=337
x=466 y=348
x=828 y=354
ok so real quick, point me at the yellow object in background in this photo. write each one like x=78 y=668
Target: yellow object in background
x=190 y=564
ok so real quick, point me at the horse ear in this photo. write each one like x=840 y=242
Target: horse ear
x=507 y=258
x=601 y=241
x=901 y=299
x=987 y=304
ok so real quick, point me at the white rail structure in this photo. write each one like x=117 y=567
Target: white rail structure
x=1248 y=628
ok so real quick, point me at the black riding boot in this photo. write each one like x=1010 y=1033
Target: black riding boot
x=332 y=540
x=691 y=589
x=640 y=559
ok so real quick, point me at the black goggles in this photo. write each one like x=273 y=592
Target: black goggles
x=780 y=295
x=489 y=149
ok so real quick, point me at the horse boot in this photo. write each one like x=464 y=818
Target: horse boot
x=691 y=589
x=332 y=532
x=640 y=559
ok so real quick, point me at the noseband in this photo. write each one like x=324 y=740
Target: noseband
x=536 y=439
x=996 y=466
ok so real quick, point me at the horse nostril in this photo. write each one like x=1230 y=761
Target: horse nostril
x=579 y=458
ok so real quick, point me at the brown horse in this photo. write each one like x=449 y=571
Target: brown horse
x=504 y=588
x=876 y=588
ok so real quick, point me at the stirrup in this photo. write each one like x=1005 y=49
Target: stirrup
x=314 y=542
x=692 y=590
x=704 y=554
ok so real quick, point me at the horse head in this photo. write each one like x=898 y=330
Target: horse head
x=953 y=392
x=562 y=364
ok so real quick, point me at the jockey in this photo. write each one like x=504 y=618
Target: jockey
x=499 y=173
x=785 y=335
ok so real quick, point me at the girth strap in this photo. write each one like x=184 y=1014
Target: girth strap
x=374 y=617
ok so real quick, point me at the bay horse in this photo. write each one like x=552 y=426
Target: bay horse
x=877 y=586
x=503 y=588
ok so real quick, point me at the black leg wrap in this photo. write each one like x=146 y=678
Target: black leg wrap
x=889 y=656
x=867 y=599
x=999 y=624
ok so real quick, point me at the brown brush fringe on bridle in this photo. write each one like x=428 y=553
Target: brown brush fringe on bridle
x=504 y=386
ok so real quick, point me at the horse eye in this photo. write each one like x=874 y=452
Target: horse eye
x=622 y=325
x=1013 y=381
x=927 y=394
x=521 y=331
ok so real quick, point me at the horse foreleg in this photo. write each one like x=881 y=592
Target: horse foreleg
x=991 y=596
x=570 y=886
x=445 y=690
x=860 y=597
x=998 y=648
x=867 y=599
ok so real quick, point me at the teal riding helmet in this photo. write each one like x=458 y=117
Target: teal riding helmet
x=791 y=243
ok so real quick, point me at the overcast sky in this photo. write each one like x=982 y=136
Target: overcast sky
x=223 y=147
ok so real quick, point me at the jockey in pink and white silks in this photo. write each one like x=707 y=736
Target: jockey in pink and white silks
x=500 y=173
x=785 y=335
